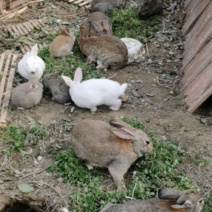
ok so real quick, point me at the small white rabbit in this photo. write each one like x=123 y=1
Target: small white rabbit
x=91 y=93
x=31 y=66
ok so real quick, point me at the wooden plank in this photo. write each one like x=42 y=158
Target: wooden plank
x=199 y=86
x=194 y=14
x=28 y=26
x=187 y=2
x=84 y=3
x=16 y=32
x=78 y=1
x=194 y=68
x=4 y=108
x=199 y=101
x=199 y=41
x=23 y=49
x=21 y=32
x=23 y=28
x=2 y=63
x=199 y=25
x=4 y=75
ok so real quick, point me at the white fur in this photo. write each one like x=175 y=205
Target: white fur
x=31 y=66
x=94 y=92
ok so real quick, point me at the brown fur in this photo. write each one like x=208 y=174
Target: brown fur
x=111 y=51
x=188 y=201
x=95 y=142
x=97 y=24
x=27 y=94
x=63 y=44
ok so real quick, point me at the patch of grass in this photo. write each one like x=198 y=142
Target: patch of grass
x=158 y=170
x=68 y=64
x=126 y=23
x=208 y=204
x=18 y=137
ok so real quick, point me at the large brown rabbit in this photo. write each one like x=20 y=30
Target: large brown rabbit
x=106 y=50
x=97 y=24
x=115 y=145
x=168 y=200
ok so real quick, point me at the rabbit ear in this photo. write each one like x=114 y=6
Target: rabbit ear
x=96 y=26
x=68 y=81
x=34 y=50
x=105 y=25
x=186 y=204
x=119 y=124
x=123 y=133
x=78 y=75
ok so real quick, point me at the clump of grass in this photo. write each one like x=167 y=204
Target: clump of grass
x=18 y=137
x=68 y=64
x=126 y=23
x=158 y=170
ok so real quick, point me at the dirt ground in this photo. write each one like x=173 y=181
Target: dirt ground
x=153 y=98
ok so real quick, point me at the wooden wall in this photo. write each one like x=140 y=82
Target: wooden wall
x=196 y=83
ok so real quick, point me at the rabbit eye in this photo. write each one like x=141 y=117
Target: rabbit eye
x=147 y=142
x=201 y=201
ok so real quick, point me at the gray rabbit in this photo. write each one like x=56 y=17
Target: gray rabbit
x=115 y=145
x=168 y=200
x=148 y=8
x=105 y=5
x=58 y=87
x=27 y=94
x=97 y=24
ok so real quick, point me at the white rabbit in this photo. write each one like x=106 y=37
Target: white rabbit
x=91 y=93
x=31 y=66
x=136 y=51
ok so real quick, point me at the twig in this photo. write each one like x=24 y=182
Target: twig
x=157 y=81
x=147 y=50
x=37 y=172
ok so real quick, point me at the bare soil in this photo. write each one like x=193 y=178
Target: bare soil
x=153 y=99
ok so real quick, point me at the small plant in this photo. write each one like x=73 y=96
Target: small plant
x=208 y=204
x=68 y=65
x=145 y=177
x=18 y=137
x=126 y=23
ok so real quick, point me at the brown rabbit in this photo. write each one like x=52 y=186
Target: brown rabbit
x=148 y=8
x=168 y=200
x=105 y=5
x=97 y=24
x=58 y=87
x=27 y=94
x=106 y=50
x=63 y=44
x=115 y=145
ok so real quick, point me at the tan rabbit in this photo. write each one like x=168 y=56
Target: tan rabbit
x=107 y=50
x=97 y=24
x=168 y=200
x=63 y=44
x=27 y=94
x=115 y=145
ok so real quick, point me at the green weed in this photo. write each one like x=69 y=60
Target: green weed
x=126 y=23
x=18 y=137
x=144 y=178
x=208 y=204
x=68 y=65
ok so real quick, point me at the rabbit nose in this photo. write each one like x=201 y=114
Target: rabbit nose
x=33 y=72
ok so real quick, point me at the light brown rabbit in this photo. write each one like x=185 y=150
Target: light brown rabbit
x=106 y=50
x=63 y=44
x=27 y=94
x=115 y=145
x=97 y=24
x=59 y=89
x=168 y=200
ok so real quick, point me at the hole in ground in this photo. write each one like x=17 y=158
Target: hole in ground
x=18 y=207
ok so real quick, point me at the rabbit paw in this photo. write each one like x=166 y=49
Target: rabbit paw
x=100 y=65
x=116 y=105
x=89 y=166
x=91 y=59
